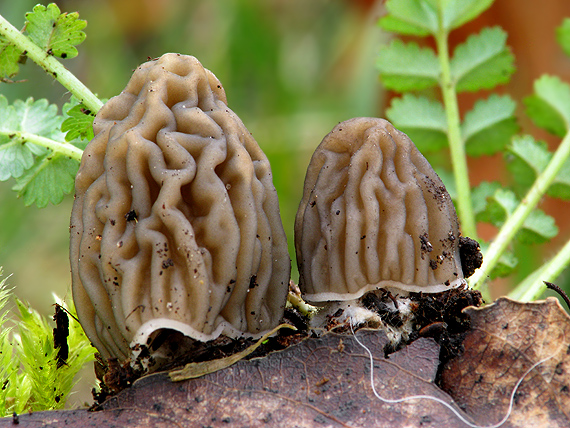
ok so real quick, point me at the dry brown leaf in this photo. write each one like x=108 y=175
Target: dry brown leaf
x=319 y=382
x=506 y=339
x=325 y=382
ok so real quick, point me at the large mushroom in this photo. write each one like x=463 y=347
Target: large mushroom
x=175 y=225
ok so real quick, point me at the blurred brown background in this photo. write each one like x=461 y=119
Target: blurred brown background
x=292 y=69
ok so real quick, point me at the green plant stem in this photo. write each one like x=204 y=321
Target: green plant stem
x=65 y=149
x=516 y=220
x=50 y=65
x=456 y=146
x=533 y=286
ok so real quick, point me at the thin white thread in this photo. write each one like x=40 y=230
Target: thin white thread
x=438 y=400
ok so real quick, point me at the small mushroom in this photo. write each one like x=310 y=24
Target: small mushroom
x=175 y=225
x=374 y=215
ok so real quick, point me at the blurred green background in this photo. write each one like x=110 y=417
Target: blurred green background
x=292 y=69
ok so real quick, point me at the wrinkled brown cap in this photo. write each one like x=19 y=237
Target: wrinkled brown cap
x=374 y=214
x=176 y=221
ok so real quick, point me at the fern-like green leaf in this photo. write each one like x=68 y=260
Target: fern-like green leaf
x=479 y=196
x=55 y=32
x=407 y=67
x=537 y=228
x=48 y=180
x=549 y=106
x=37 y=117
x=483 y=61
x=42 y=175
x=527 y=158
x=9 y=59
x=422 y=119
x=488 y=128
x=560 y=188
x=506 y=264
x=79 y=123
x=458 y=12
x=410 y=17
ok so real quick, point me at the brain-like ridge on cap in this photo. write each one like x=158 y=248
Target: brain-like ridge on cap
x=374 y=214
x=175 y=223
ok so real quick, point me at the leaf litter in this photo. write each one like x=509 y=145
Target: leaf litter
x=326 y=381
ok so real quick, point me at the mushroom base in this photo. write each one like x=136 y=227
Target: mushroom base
x=162 y=344
x=403 y=318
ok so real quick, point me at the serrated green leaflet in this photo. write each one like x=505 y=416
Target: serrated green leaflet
x=538 y=227
x=406 y=67
x=483 y=61
x=422 y=119
x=479 y=197
x=411 y=17
x=9 y=59
x=563 y=36
x=48 y=180
x=488 y=128
x=499 y=206
x=526 y=158
x=33 y=151
x=458 y=12
x=549 y=107
x=560 y=188
x=420 y=17
x=506 y=265
x=55 y=32
x=79 y=124
x=37 y=117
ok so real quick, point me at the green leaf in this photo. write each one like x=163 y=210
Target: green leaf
x=479 y=196
x=422 y=119
x=500 y=205
x=407 y=67
x=488 y=128
x=9 y=59
x=411 y=17
x=506 y=264
x=55 y=32
x=560 y=187
x=549 y=107
x=537 y=228
x=526 y=159
x=458 y=12
x=37 y=117
x=483 y=61
x=79 y=124
x=563 y=36
x=47 y=181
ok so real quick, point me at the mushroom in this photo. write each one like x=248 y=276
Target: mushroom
x=374 y=215
x=175 y=225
